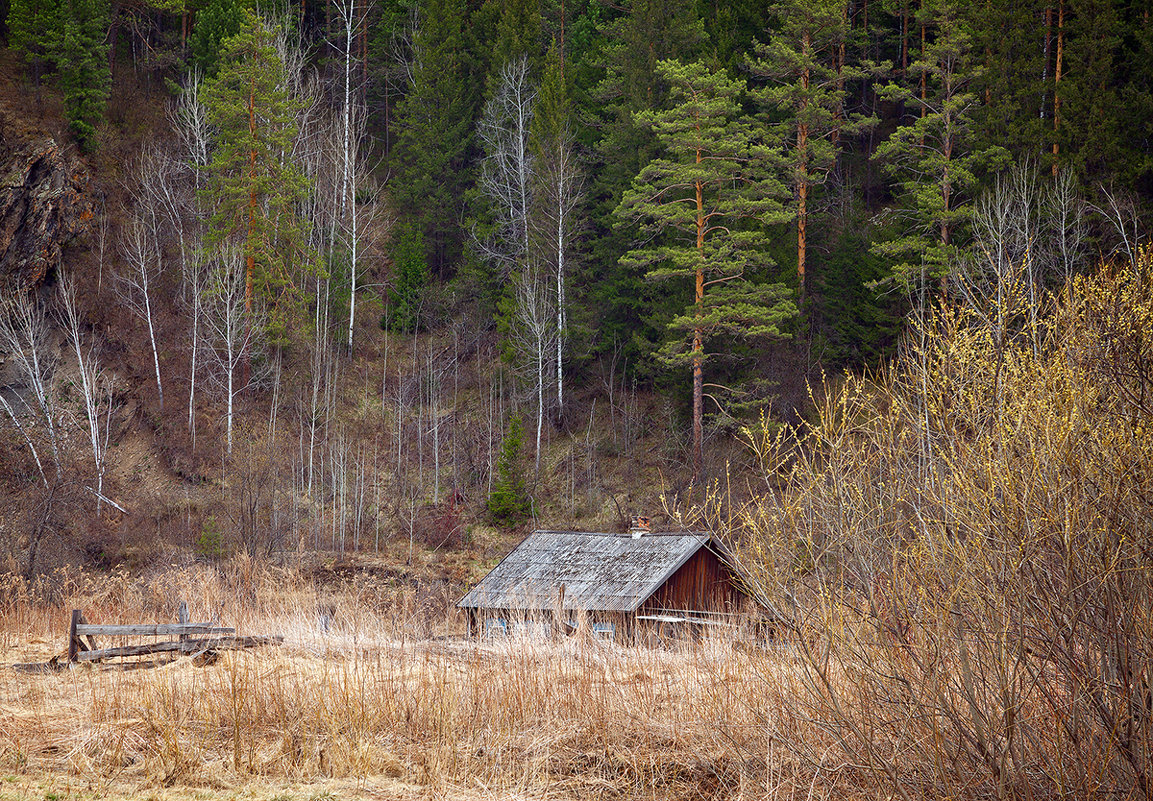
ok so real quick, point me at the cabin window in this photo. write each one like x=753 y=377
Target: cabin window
x=606 y=630
x=495 y=627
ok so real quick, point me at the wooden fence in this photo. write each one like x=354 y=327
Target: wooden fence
x=201 y=640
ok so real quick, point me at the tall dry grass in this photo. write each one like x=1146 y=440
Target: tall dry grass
x=381 y=694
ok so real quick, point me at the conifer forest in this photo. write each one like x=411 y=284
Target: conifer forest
x=327 y=304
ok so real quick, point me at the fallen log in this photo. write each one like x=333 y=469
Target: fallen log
x=53 y=665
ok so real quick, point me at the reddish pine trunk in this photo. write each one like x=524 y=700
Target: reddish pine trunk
x=802 y=177
x=250 y=259
x=1057 y=81
x=698 y=336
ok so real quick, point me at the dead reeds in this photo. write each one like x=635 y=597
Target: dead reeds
x=372 y=696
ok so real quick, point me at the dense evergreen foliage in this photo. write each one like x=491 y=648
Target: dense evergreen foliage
x=837 y=150
x=254 y=183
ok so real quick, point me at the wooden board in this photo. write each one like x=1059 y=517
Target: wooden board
x=186 y=646
x=151 y=629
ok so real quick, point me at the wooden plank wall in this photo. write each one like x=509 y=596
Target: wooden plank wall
x=703 y=583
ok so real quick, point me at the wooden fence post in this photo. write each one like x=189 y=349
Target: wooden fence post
x=182 y=617
x=73 y=640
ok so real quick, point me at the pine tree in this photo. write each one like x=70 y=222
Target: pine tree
x=806 y=98
x=85 y=77
x=934 y=160
x=703 y=206
x=253 y=186
x=623 y=80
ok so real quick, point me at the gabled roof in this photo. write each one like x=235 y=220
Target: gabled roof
x=604 y=572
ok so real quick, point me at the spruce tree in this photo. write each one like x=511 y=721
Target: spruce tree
x=409 y=275
x=1013 y=110
x=1093 y=133
x=435 y=120
x=85 y=78
x=509 y=502
x=703 y=207
x=518 y=33
x=35 y=28
x=216 y=21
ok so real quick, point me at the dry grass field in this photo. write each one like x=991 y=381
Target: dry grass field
x=389 y=703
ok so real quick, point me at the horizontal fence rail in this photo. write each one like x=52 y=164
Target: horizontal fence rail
x=150 y=629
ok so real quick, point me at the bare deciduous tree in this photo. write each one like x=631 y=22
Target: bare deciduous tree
x=507 y=168
x=533 y=334
x=25 y=334
x=559 y=195
x=230 y=332
x=93 y=384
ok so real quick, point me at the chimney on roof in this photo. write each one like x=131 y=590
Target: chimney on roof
x=639 y=526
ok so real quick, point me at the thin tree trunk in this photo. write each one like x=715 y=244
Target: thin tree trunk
x=250 y=260
x=560 y=301
x=27 y=439
x=1045 y=58
x=152 y=338
x=802 y=170
x=698 y=336
x=1057 y=82
x=540 y=369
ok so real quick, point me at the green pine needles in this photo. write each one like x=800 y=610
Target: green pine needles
x=703 y=207
x=254 y=187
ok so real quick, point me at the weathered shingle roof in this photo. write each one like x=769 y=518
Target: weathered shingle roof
x=605 y=572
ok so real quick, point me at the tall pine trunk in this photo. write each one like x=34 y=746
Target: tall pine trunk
x=698 y=335
x=1057 y=82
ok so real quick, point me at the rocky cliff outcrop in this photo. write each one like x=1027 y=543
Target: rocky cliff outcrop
x=44 y=203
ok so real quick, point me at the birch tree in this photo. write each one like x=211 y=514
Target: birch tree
x=507 y=168
x=97 y=394
x=24 y=334
x=353 y=120
x=558 y=191
x=135 y=287
x=231 y=333
x=533 y=335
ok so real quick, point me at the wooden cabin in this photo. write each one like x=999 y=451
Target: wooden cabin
x=619 y=585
